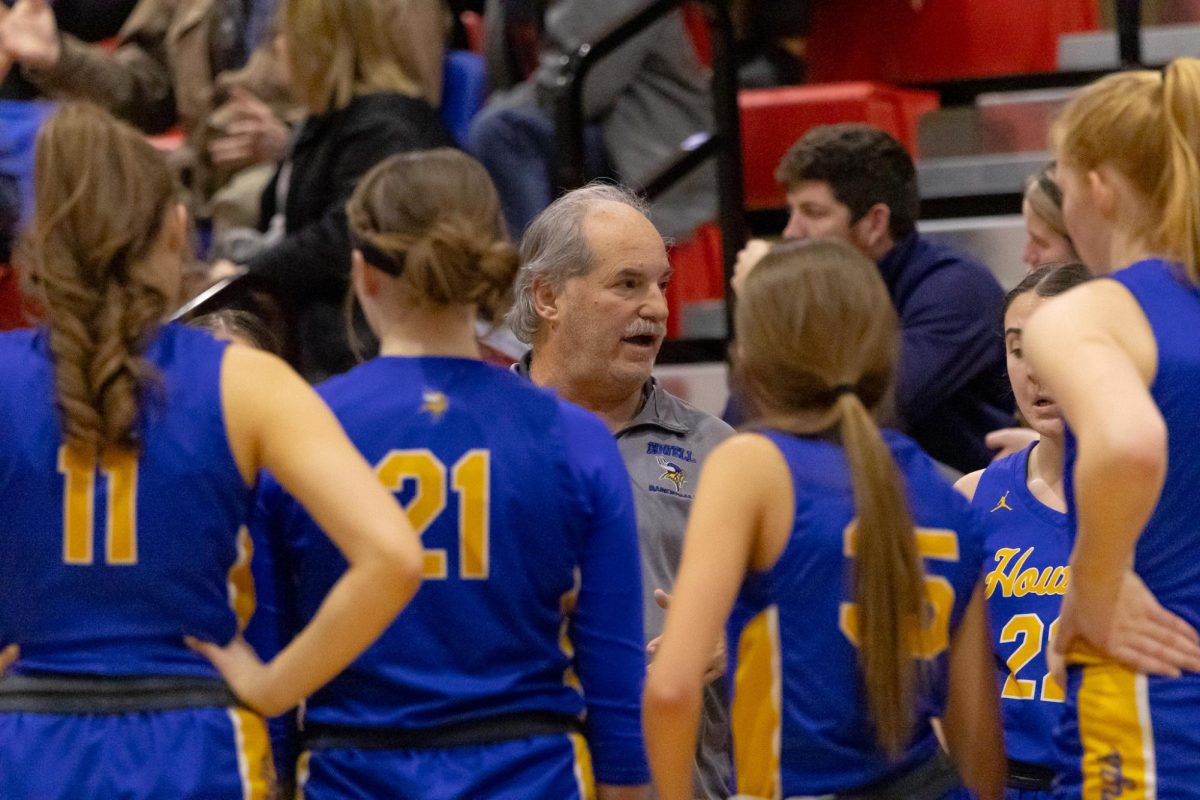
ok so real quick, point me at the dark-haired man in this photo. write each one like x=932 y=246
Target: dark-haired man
x=857 y=183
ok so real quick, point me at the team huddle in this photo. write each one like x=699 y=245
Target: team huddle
x=450 y=569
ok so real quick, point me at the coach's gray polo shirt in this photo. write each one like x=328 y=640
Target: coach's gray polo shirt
x=663 y=448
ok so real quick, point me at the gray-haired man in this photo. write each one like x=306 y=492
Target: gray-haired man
x=590 y=303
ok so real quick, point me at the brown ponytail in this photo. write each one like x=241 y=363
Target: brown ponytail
x=103 y=194
x=434 y=218
x=817 y=338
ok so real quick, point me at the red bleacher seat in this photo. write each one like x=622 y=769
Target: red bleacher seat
x=699 y=274
x=11 y=315
x=772 y=119
x=942 y=39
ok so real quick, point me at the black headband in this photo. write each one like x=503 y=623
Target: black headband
x=1050 y=187
x=386 y=262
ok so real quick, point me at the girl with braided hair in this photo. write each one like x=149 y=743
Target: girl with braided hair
x=129 y=449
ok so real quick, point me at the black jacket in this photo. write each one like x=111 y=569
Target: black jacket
x=310 y=268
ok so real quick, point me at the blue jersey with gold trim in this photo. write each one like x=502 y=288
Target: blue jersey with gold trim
x=800 y=720
x=1128 y=734
x=1025 y=578
x=1166 y=551
x=107 y=566
x=532 y=594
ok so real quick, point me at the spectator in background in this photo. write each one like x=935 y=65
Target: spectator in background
x=773 y=38
x=87 y=20
x=363 y=106
x=169 y=55
x=857 y=183
x=1047 y=240
x=645 y=100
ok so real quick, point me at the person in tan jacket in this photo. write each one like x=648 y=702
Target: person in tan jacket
x=172 y=64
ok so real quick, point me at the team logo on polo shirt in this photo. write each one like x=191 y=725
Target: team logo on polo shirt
x=672 y=472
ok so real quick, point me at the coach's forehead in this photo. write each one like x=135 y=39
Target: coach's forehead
x=620 y=235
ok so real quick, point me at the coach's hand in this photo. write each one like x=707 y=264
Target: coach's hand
x=1131 y=627
x=8 y=657
x=246 y=674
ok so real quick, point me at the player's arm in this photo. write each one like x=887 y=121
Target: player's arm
x=722 y=531
x=967 y=484
x=972 y=721
x=275 y=421
x=1094 y=350
x=606 y=624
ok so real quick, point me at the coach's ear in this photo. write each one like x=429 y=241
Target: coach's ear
x=546 y=301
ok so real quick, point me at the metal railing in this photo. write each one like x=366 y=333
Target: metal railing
x=722 y=143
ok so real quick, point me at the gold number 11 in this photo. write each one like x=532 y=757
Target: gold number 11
x=79 y=491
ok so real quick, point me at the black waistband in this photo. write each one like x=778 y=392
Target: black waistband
x=932 y=779
x=61 y=694
x=503 y=728
x=1031 y=777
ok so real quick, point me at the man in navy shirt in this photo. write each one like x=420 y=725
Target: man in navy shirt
x=857 y=183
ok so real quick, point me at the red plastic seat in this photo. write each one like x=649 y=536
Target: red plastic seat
x=699 y=274
x=11 y=312
x=773 y=119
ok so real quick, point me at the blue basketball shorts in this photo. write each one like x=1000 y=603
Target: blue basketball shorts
x=198 y=754
x=551 y=767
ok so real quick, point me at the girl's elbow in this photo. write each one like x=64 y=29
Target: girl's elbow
x=666 y=693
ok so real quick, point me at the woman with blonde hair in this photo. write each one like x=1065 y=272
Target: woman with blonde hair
x=1046 y=237
x=519 y=667
x=362 y=108
x=1120 y=357
x=129 y=450
x=846 y=566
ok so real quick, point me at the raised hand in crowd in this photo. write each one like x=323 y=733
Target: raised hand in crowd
x=253 y=133
x=29 y=36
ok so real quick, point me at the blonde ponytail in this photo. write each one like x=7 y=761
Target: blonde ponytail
x=1181 y=183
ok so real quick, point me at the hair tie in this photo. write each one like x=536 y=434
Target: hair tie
x=843 y=388
x=385 y=262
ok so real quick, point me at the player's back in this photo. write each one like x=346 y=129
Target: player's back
x=500 y=478
x=800 y=719
x=106 y=567
x=1165 y=557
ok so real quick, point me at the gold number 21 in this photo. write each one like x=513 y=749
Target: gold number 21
x=79 y=491
x=470 y=478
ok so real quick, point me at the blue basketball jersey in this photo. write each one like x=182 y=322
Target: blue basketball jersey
x=108 y=565
x=531 y=599
x=1025 y=578
x=1128 y=734
x=800 y=720
x=1166 y=552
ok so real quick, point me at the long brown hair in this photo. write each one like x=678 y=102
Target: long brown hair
x=103 y=194
x=1146 y=125
x=434 y=217
x=818 y=337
